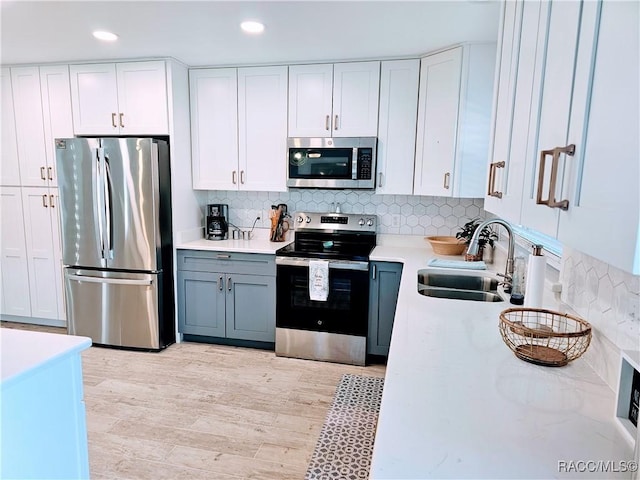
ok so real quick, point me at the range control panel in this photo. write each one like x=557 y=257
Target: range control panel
x=335 y=221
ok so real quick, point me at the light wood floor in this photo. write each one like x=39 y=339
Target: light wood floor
x=199 y=411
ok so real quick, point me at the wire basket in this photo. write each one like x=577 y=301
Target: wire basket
x=544 y=337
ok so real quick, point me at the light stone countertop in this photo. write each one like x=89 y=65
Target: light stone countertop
x=457 y=403
x=259 y=244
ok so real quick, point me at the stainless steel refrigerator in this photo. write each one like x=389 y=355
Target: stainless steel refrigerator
x=115 y=199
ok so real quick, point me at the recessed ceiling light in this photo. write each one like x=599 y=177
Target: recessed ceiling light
x=252 y=27
x=106 y=36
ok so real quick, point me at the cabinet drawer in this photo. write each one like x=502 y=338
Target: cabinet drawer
x=227 y=262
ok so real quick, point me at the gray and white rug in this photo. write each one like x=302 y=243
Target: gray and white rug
x=345 y=445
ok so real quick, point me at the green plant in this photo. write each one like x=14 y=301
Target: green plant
x=487 y=235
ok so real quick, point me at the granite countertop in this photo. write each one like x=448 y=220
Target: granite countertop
x=457 y=403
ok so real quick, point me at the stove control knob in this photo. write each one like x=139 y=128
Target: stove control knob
x=361 y=222
x=370 y=222
x=300 y=219
x=308 y=219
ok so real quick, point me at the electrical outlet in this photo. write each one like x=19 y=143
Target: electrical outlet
x=395 y=220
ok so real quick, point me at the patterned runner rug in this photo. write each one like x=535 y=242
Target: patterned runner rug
x=345 y=444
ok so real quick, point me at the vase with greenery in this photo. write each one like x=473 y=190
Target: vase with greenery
x=487 y=237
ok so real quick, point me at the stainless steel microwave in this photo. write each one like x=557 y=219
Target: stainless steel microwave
x=341 y=162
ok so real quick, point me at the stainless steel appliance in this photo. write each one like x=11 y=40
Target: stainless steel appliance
x=217 y=221
x=115 y=198
x=335 y=329
x=347 y=162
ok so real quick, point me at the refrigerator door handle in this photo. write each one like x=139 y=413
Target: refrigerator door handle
x=108 y=189
x=118 y=281
x=98 y=202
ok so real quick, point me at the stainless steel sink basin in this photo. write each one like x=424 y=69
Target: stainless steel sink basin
x=457 y=294
x=479 y=288
x=462 y=282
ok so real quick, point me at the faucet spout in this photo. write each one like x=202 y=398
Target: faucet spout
x=474 y=245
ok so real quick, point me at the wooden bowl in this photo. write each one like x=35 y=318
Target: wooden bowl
x=446 y=245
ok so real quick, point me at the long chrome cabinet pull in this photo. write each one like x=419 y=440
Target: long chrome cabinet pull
x=42 y=173
x=555 y=161
x=326 y=123
x=51 y=204
x=380 y=179
x=220 y=283
x=242 y=177
x=445 y=184
x=373 y=272
x=335 y=122
x=223 y=255
x=121 y=120
x=234 y=177
x=229 y=283
x=50 y=173
x=44 y=201
x=113 y=120
x=491 y=191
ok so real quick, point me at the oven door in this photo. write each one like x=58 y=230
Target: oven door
x=321 y=167
x=346 y=309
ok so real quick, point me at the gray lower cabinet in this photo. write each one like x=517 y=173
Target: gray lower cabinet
x=383 y=297
x=218 y=297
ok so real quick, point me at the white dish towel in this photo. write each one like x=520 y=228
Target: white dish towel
x=318 y=280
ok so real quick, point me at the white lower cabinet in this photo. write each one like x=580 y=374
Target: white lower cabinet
x=570 y=167
x=454 y=118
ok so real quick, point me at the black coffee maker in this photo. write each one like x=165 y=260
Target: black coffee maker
x=217 y=221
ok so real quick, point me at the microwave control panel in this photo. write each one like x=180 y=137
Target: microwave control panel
x=364 y=163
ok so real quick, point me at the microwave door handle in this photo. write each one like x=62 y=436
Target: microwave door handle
x=354 y=164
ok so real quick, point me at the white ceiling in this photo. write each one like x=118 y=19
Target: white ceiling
x=207 y=33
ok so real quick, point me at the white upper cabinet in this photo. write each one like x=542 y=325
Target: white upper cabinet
x=571 y=143
x=338 y=100
x=9 y=166
x=124 y=98
x=239 y=128
x=397 y=126
x=29 y=125
x=454 y=115
x=262 y=128
x=214 y=128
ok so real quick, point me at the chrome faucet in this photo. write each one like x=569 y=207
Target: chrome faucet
x=474 y=246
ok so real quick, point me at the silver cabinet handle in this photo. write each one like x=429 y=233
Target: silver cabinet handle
x=373 y=272
x=122 y=120
x=223 y=255
x=326 y=123
x=42 y=173
x=44 y=201
x=555 y=160
x=50 y=173
x=51 y=204
x=229 y=283
x=113 y=120
x=242 y=177
x=335 y=123
x=234 y=177
x=220 y=283
x=492 y=192
x=380 y=179
x=447 y=176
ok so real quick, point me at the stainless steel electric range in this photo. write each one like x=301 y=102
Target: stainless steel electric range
x=334 y=329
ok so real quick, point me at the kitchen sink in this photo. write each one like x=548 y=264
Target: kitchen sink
x=479 y=288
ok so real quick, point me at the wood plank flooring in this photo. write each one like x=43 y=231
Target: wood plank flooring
x=200 y=411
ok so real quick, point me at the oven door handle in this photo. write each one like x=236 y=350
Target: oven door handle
x=333 y=264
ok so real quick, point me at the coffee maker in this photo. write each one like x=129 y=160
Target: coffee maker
x=217 y=221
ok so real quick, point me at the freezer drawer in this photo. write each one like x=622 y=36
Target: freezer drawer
x=114 y=308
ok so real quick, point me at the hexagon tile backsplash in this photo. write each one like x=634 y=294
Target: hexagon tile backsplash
x=406 y=214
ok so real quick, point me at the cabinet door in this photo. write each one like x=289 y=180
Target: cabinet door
x=310 y=97
x=262 y=128
x=56 y=237
x=251 y=307
x=142 y=98
x=201 y=309
x=214 y=128
x=397 y=126
x=57 y=115
x=383 y=297
x=604 y=126
x=553 y=85
x=94 y=98
x=13 y=254
x=356 y=89
x=41 y=255
x=9 y=168
x=29 y=125
x=437 y=123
